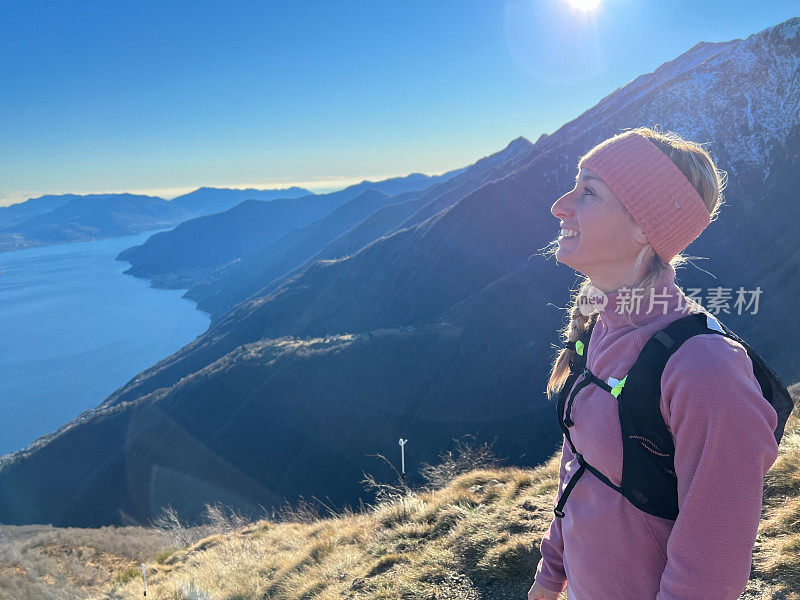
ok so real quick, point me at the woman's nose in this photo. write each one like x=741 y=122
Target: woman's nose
x=563 y=206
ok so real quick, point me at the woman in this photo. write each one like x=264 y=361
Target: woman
x=640 y=199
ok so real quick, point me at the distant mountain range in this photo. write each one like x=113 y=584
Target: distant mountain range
x=72 y=218
x=430 y=317
x=187 y=254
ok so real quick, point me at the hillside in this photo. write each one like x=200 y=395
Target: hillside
x=476 y=536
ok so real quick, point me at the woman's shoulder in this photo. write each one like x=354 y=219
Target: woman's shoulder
x=711 y=371
x=710 y=354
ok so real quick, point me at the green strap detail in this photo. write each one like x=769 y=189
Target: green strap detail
x=579 y=347
x=618 y=388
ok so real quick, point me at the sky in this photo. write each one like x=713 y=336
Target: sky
x=164 y=97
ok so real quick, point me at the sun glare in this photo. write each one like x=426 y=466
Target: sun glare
x=584 y=5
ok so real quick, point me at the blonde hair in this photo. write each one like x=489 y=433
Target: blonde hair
x=699 y=168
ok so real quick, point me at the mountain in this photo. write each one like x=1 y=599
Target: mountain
x=189 y=253
x=91 y=217
x=22 y=211
x=350 y=227
x=77 y=218
x=180 y=255
x=208 y=200
x=441 y=328
x=408 y=183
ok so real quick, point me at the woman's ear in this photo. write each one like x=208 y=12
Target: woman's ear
x=639 y=236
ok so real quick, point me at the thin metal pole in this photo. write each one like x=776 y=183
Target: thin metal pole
x=402 y=443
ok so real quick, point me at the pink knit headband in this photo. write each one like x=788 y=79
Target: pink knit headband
x=654 y=190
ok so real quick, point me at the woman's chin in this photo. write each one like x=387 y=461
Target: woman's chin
x=565 y=257
x=567 y=262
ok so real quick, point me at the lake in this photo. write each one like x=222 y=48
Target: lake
x=73 y=329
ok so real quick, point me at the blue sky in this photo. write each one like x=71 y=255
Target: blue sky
x=164 y=97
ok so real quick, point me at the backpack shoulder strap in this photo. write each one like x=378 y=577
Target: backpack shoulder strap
x=640 y=397
x=648 y=471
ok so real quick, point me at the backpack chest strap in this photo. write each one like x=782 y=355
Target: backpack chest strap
x=588 y=378
x=584 y=466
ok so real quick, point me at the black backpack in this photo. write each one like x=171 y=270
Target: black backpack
x=649 y=481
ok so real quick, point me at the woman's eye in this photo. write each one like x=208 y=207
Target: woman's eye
x=586 y=189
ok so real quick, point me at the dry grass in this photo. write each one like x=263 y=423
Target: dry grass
x=776 y=557
x=73 y=563
x=41 y=561
x=477 y=537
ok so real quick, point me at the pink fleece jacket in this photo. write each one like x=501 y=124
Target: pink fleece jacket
x=604 y=548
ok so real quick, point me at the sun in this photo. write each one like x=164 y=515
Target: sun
x=584 y=5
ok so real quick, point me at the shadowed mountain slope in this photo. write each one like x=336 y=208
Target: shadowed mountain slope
x=343 y=232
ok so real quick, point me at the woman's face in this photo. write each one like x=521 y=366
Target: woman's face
x=608 y=240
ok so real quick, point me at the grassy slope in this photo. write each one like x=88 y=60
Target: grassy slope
x=477 y=537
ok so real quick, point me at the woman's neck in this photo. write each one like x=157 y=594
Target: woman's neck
x=623 y=278
x=626 y=305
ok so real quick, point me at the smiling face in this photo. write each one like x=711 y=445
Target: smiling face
x=608 y=240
